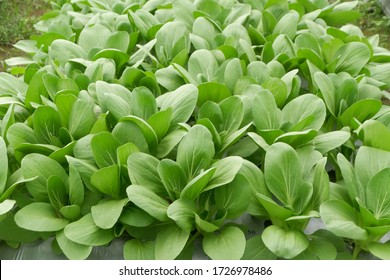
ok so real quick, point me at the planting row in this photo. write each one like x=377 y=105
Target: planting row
x=164 y=123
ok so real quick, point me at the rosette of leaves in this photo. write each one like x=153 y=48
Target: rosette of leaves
x=359 y=208
x=296 y=184
x=182 y=200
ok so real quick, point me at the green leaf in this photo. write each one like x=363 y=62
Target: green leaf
x=81 y=119
x=203 y=66
x=284 y=243
x=341 y=219
x=369 y=161
x=63 y=50
x=136 y=249
x=126 y=132
x=46 y=123
x=212 y=91
x=329 y=141
x=148 y=201
x=104 y=147
x=195 y=150
x=287 y=24
x=301 y=108
x=352 y=57
x=325 y=85
x=76 y=187
x=378 y=195
x=146 y=129
x=225 y=171
x=3 y=165
x=85 y=169
x=172 y=176
x=204 y=225
x=232 y=110
x=380 y=250
x=142 y=170
x=6 y=206
x=88 y=39
x=71 y=212
x=106 y=214
x=38 y=165
x=170 y=242
x=234 y=197
x=72 y=250
x=256 y=250
x=229 y=244
x=143 y=103
x=86 y=232
x=169 y=142
x=375 y=134
x=361 y=110
x=160 y=122
x=197 y=185
x=123 y=152
x=39 y=216
x=182 y=101
x=106 y=180
x=182 y=212
x=283 y=175
x=266 y=115
x=57 y=192
x=134 y=216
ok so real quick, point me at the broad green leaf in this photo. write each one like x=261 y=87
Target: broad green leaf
x=302 y=107
x=182 y=212
x=126 y=132
x=104 y=147
x=212 y=91
x=41 y=217
x=211 y=111
x=106 y=180
x=369 y=161
x=142 y=170
x=361 y=110
x=278 y=88
x=229 y=244
x=325 y=85
x=273 y=209
x=64 y=103
x=380 y=250
x=148 y=201
x=85 y=169
x=283 y=175
x=233 y=72
x=287 y=24
x=329 y=141
x=160 y=122
x=342 y=220
x=6 y=206
x=46 y=124
x=170 y=241
x=123 y=152
x=89 y=40
x=320 y=185
x=107 y=213
x=203 y=66
x=63 y=51
x=36 y=91
x=143 y=103
x=12 y=85
x=225 y=171
x=284 y=243
x=57 y=192
x=136 y=249
x=266 y=115
x=169 y=142
x=71 y=212
x=375 y=134
x=3 y=165
x=197 y=185
x=86 y=232
x=232 y=110
x=172 y=176
x=195 y=150
x=10 y=231
x=256 y=250
x=146 y=129
x=76 y=187
x=182 y=101
x=72 y=250
x=134 y=216
x=204 y=225
x=38 y=165
x=352 y=57
x=378 y=195
x=119 y=40
x=234 y=197
x=81 y=119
